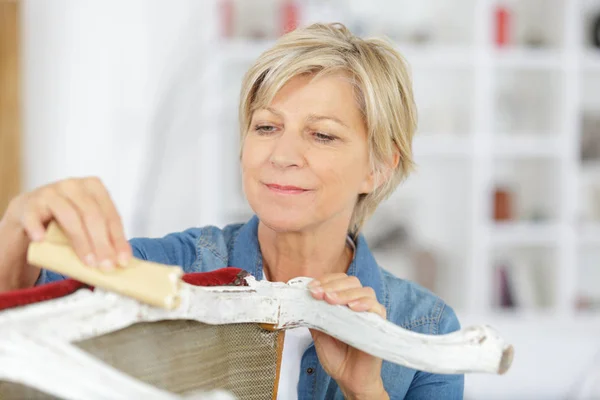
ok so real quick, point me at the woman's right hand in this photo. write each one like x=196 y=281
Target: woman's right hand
x=86 y=213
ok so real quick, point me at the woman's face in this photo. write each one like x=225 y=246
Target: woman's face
x=305 y=157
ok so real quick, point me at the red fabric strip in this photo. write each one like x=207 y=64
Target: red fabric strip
x=229 y=276
x=49 y=291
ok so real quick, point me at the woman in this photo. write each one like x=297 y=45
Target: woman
x=327 y=121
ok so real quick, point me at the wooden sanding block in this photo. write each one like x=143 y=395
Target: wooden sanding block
x=151 y=283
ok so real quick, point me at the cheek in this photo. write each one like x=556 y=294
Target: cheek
x=342 y=174
x=253 y=155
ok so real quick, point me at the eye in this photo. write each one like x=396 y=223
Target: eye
x=323 y=138
x=265 y=129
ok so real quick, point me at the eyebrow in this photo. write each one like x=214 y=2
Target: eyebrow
x=314 y=117
x=274 y=111
x=311 y=117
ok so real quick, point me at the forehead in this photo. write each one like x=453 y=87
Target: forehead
x=328 y=93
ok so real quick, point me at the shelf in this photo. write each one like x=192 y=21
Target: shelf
x=442 y=145
x=533 y=318
x=243 y=50
x=589 y=234
x=528 y=146
x=432 y=56
x=591 y=60
x=590 y=168
x=426 y=56
x=532 y=59
x=525 y=234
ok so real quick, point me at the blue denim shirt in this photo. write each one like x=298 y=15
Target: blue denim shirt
x=408 y=305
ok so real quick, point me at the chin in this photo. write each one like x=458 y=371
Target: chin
x=284 y=220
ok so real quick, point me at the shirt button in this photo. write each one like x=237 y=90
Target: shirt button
x=310 y=371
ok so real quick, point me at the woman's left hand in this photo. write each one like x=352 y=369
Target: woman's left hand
x=358 y=374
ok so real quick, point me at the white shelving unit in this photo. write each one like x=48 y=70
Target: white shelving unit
x=493 y=148
x=525 y=234
x=442 y=145
x=479 y=149
x=528 y=59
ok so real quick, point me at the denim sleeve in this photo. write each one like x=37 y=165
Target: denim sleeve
x=427 y=386
x=48 y=277
x=173 y=249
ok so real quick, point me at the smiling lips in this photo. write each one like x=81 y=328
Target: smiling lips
x=286 y=189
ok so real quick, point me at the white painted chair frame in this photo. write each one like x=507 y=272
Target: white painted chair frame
x=34 y=339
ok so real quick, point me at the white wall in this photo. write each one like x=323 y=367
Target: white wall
x=98 y=101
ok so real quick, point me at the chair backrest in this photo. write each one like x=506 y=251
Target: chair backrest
x=177 y=356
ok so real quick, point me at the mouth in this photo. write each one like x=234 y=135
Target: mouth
x=285 y=189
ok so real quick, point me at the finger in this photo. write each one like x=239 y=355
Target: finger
x=349 y=282
x=348 y=295
x=368 y=304
x=315 y=286
x=93 y=221
x=32 y=224
x=115 y=225
x=332 y=283
x=33 y=218
x=49 y=204
x=327 y=279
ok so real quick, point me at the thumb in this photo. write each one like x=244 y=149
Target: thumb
x=316 y=335
x=323 y=340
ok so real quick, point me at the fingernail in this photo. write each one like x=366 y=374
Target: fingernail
x=316 y=290
x=356 y=304
x=331 y=295
x=90 y=260
x=314 y=283
x=123 y=259
x=107 y=265
x=37 y=236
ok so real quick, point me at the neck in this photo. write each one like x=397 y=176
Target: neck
x=288 y=255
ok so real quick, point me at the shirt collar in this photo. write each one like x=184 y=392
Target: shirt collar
x=246 y=255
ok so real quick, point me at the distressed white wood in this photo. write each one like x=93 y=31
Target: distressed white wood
x=86 y=314
x=59 y=368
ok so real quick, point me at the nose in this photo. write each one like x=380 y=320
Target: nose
x=288 y=150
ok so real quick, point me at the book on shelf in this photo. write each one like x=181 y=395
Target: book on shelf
x=519 y=285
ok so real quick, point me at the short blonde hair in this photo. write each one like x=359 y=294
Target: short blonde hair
x=384 y=95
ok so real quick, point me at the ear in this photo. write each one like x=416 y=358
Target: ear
x=378 y=176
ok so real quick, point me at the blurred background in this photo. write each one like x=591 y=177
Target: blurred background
x=501 y=218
